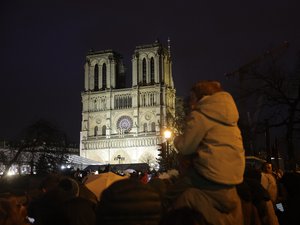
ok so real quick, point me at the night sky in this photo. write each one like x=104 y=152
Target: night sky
x=44 y=44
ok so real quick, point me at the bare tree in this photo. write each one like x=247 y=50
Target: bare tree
x=41 y=141
x=275 y=94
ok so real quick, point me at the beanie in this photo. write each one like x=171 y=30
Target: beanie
x=206 y=87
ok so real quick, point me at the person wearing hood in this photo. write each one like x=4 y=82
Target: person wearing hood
x=213 y=142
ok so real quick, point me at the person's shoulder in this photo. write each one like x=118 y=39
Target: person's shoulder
x=267 y=176
x=196 y=113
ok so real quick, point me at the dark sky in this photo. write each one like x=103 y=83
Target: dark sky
x=44 y=43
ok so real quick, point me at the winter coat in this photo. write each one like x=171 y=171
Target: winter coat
x=212 y=134
x=219 y=207
x=268 y=181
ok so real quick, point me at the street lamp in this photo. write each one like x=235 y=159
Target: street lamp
x=167 y=135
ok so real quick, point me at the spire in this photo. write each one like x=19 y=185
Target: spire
x=169 y=47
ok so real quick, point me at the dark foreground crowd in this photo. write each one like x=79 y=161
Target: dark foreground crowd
x=213 y=186
x=65 y=200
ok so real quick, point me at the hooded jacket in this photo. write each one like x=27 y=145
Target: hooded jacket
x=212 y=134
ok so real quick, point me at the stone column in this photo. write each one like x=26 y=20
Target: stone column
x=113 y=74
x=91 y=76
x=86 y=76
x=134 y=71
x=156 y=70
x=100 y=76
x=108 y=74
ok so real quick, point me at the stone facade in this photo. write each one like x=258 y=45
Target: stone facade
x=121 y=124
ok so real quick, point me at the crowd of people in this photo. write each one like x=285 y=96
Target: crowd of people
x=212 y=185
x=62 y=199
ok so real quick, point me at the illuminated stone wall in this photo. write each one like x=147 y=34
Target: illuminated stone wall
x=123 y=125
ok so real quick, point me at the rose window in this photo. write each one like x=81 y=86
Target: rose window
x=124 y=123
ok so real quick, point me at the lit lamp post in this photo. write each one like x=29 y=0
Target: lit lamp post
x=167 y=135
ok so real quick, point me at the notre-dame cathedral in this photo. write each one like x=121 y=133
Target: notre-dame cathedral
x=124 y=124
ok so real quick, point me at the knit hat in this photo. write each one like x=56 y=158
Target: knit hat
x=206 y=87
x=129 y=202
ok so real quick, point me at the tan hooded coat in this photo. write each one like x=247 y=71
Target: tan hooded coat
x=213 y=135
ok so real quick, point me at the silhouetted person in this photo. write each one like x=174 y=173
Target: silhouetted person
x=268 y=181
x=213 y=142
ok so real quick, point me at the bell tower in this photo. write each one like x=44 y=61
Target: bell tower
x=151 y=64
x=104 y=70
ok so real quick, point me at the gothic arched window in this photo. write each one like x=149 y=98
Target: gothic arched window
x=130 y=102
x=151 y=98
x=116 y=102
x=121 y=102
x=144 y=71
x=152 y=70
x=145 y=127
x=104 y=130
x=96 y=78
x=125 y=102
x=95 y=131
x=144 y=100
x=153 y=126
x=104 y=76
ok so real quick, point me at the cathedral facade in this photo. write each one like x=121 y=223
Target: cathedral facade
x=124 y=124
